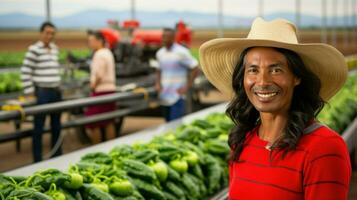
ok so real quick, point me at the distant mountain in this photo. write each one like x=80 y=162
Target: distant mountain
x=98 y=18
x=20 y=20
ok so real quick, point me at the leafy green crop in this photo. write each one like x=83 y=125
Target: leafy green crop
x=352 y=62
x=15 y=58
x=194 y=53
x=11 y=82
x=342 y=108
x=191 y=171
x=11 y=59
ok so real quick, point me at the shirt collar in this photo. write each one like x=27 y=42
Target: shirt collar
x=42 y=44
x=172 y=47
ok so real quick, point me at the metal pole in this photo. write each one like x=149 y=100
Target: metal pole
x=220 y=19
x=323 y=21
x=19 y=134
x=346 y=24
x=334 y=22
x=66 y=105
x=48 y=10
x=297 y=13
x=132 y=9
x=261 y=8
x=353 y=22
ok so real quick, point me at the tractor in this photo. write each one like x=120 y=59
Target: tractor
x=133 y=48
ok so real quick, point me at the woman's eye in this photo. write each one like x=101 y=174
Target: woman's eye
x=276 y=70
x=252 y=70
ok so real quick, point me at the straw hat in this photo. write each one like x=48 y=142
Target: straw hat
x=218 y=57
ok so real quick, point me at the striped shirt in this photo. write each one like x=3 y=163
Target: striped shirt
x=319 y=168
x=40 y=67
x=174 y=64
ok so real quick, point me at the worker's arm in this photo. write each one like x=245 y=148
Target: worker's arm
x=158 y=80
x=158 y=86
x=27 y=69
x=191 y=78
x=97 y=72
x=192 y=64
x=94 y=80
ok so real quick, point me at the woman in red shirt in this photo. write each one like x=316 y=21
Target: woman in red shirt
x=278 y=86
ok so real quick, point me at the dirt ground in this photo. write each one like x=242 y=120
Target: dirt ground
x=20 y=40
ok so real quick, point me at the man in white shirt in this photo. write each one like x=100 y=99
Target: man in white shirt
x=175 y=76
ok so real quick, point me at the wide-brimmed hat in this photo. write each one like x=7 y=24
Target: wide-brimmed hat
x=219 y=57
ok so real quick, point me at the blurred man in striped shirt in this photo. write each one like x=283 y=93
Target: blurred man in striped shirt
x=40 y=76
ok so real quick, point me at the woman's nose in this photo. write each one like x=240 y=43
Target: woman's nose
x=264 y=78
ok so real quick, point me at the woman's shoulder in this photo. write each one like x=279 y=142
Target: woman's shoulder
x=102 y=53
x=323 y=140
x=326 y=165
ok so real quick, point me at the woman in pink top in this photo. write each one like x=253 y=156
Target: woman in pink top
x=102 y=82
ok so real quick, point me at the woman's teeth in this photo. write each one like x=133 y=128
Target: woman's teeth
x=267 y=95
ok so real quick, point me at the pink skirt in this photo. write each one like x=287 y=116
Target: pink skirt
x=100 y=108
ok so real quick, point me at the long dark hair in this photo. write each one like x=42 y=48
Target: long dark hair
x=305 y=106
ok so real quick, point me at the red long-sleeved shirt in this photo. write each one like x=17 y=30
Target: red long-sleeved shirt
x=319 y=169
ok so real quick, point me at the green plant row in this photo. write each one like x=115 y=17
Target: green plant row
x=11 y=81
x=188 y=163
x=15 y=59
x=341 y=110
x=352 y=62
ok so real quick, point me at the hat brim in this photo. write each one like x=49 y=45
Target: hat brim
x=218 y=59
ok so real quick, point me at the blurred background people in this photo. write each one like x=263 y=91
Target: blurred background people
x=102 y=82
x=40 y=75
x=175 y=76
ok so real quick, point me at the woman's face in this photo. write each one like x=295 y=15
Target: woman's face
x=268 y=81
x=93 y=42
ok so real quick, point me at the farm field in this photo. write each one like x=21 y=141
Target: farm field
x=12 y=41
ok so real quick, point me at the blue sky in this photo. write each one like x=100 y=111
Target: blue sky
x=231 y=7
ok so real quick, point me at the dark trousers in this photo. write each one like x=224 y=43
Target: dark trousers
x=44 y=96
x=174 y=111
